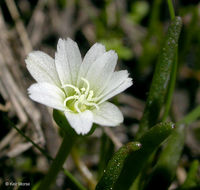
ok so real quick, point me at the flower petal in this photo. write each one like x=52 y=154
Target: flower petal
x=80 y=122
x=117 y=84
x=101 y=71
x=91 y=56
x=68 y=60
x=108 y=115
x=42 y=67
x=47 y=94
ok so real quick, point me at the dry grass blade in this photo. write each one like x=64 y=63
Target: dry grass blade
x=19 y=26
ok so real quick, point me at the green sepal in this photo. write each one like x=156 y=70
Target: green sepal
x=62 y=122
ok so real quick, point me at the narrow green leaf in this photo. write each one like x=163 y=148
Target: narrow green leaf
x=161 y=77
x=136 y=184
x=171 y=87
x=171 y=9
x=191 y=180
x=115 y=165
x=191 y=117
x=165 y=169
x=172 y=81
x=155 y=14
x=106 y=152
x=136 y=160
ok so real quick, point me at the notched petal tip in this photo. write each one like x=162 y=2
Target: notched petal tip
x=68 y=41
x=98 y=46
x=112 y=53
x=29 y=57
x=80 y=122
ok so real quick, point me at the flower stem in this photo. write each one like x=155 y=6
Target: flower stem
x=83 y=169
x=171 y=9
x=58 y=162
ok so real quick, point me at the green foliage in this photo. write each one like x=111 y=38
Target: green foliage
x=161 y=77
x=115 y=165
x=106 y=152
x=165 y=169
x=135 y=162
x=116 y=44
x=192 y=180
x=139 y=10
x=137 y=31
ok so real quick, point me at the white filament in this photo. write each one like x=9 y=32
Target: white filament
x=84 y=97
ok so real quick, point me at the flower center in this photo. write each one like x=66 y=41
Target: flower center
x=82 y=99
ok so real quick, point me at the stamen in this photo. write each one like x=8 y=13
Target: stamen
x=91 y=93
x=82 y=98
x=76 y=106
x=94 y=99
x=91 y=104
x=88 y=85
x=70 y=98
x=72 y=86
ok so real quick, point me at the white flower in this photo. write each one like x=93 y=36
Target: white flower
x=78 y=88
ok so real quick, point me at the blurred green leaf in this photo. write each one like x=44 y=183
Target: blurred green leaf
x=106 y=152
x=192 y=181
x=136 y=160
x=139 y=10
x=115 y=165
x=191 y=117
x=155 y=16
x=116 y=44
x=165 y=169
x=161 y=77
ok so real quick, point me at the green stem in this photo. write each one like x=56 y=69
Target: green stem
x=74 y=180
x=58 y=162
x=171 y=9
x=192 y=116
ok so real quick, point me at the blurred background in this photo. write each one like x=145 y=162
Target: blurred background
x=135 y=29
